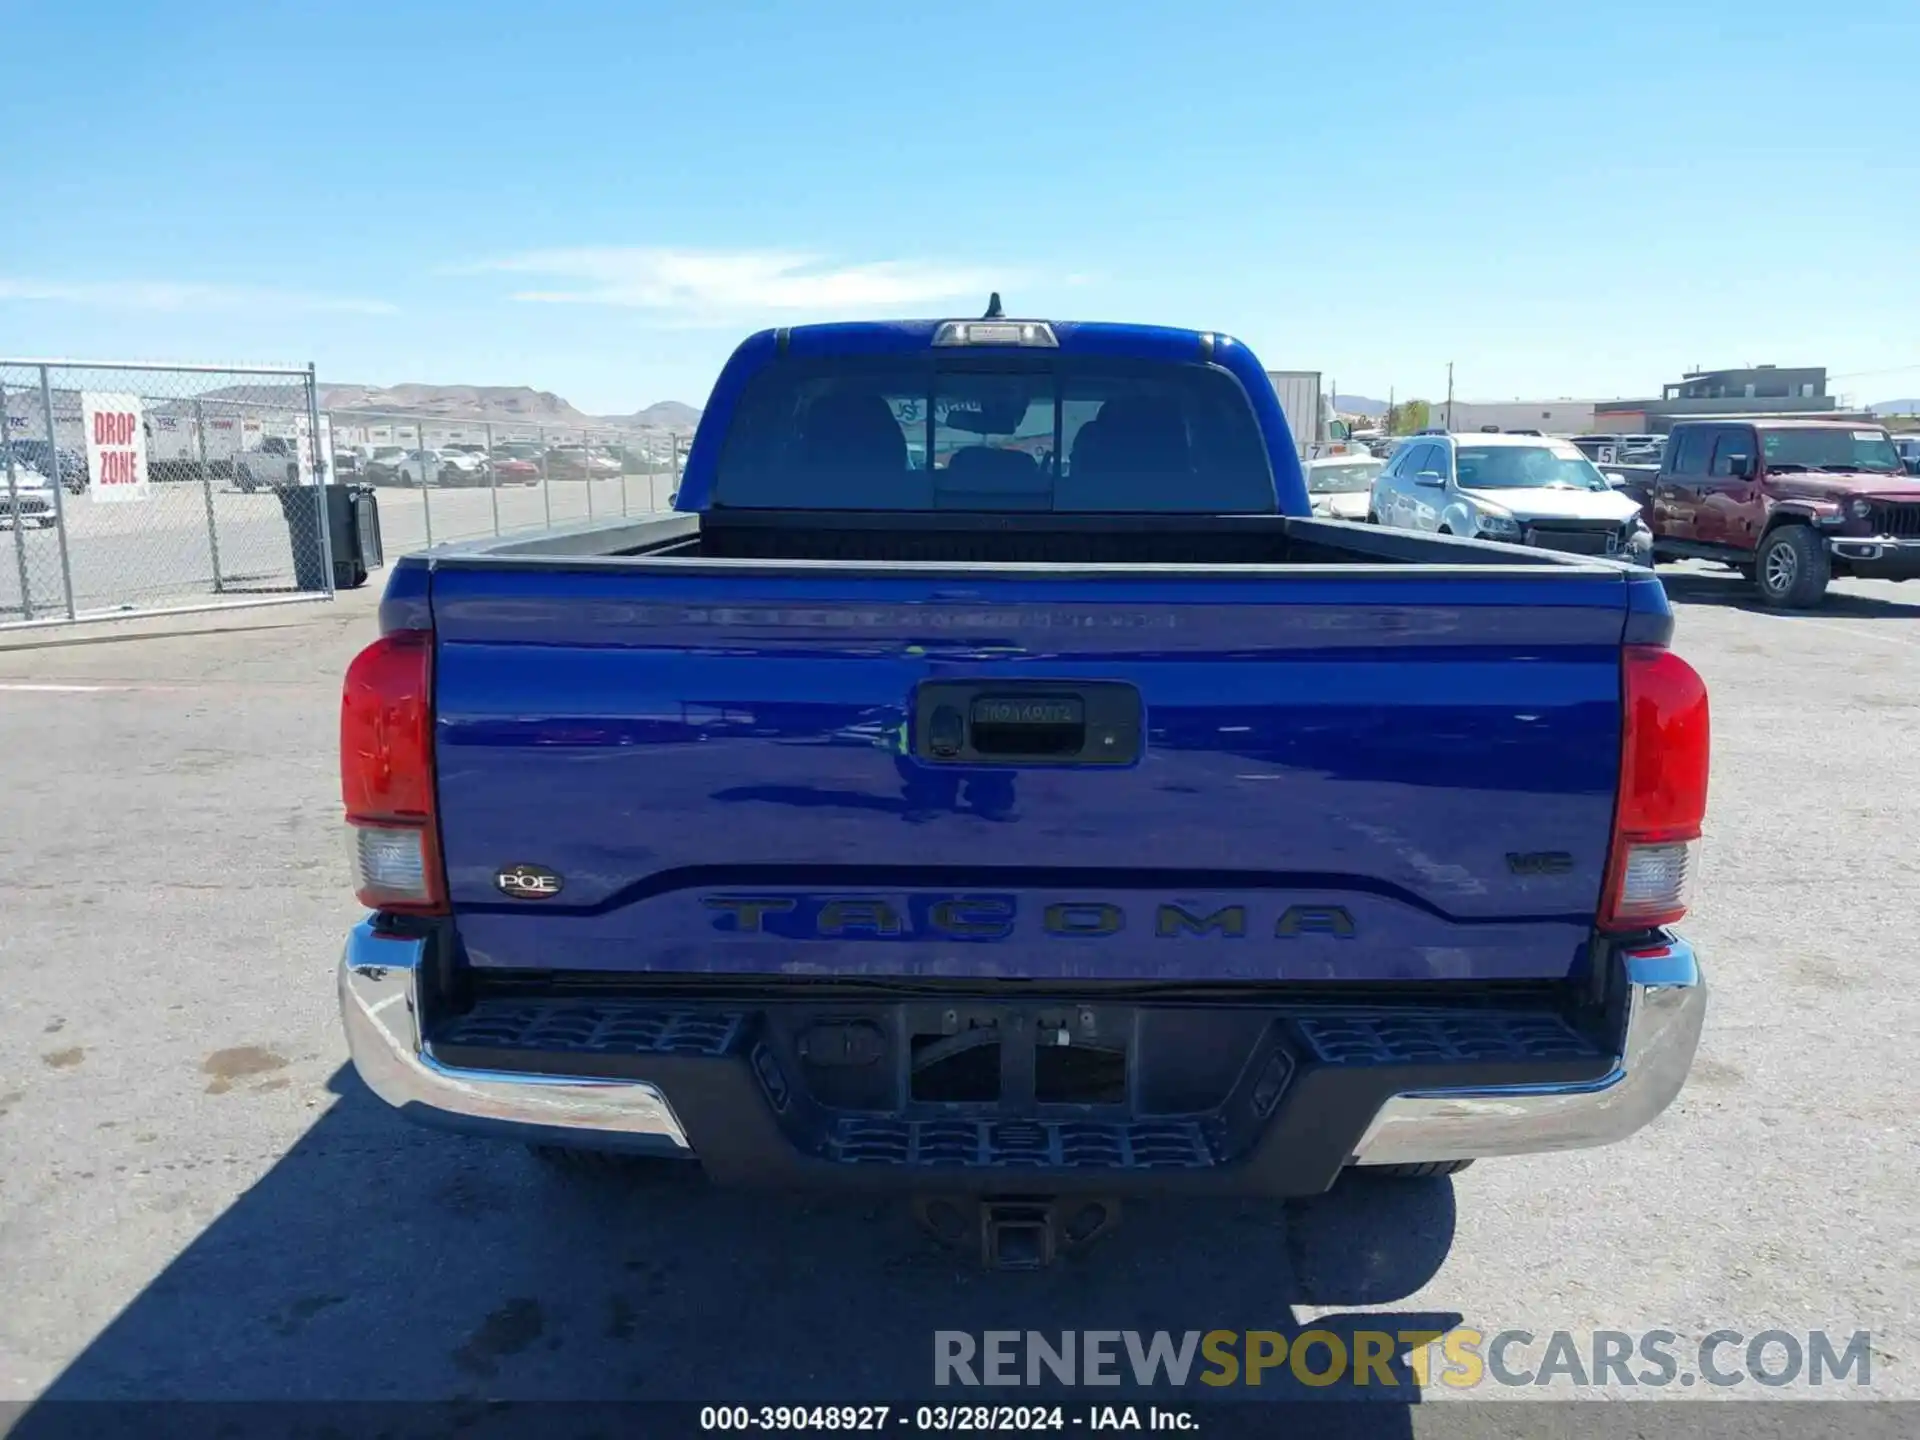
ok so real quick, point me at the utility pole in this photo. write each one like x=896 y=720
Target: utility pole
x=1449 y=395
x=1393 y=420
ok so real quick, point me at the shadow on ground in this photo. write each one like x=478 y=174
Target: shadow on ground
x=1733 y=592
x=377 y=1261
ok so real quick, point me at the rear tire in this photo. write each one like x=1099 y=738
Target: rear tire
x=1432 y=1169
x=1793 y=568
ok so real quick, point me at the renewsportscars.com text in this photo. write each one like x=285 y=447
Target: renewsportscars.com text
x=1458 y=1359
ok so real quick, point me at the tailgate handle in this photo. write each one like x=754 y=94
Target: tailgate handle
x=1053 y=725
x=1027 y=722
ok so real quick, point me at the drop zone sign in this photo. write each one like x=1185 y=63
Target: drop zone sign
x=116 y=446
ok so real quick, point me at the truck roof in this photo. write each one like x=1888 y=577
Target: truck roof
x=892 y=337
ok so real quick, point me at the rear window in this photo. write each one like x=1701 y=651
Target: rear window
x=1341 y=479
x=1063 y=435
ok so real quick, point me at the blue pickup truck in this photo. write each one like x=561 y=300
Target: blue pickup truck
x=992 y=786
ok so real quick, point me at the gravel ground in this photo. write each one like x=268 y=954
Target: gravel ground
x=197 y=1200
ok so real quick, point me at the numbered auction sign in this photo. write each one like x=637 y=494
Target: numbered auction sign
x=116 y=446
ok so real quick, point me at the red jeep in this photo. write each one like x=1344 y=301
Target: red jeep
x=1788 y=503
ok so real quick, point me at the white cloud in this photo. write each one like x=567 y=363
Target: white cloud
x=716 y=285
x=174 y=295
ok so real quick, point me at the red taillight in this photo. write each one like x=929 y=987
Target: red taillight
x=1663 y=791
x=386 y=775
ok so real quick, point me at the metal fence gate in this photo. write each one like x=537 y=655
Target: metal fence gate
x=134 y=489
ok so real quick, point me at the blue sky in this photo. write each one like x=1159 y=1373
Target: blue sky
x=600 y=199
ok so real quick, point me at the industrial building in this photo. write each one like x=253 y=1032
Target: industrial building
x=1755 y=390
x=1749 y=390
x=1549 y=417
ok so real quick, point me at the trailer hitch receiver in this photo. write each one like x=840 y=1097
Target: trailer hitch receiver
x=1016 y=1232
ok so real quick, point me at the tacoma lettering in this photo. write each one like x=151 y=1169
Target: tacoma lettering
x=747 y=914
x=1314 y=920
x=998 y=917
x=1229 y=920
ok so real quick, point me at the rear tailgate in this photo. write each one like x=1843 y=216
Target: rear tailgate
x=1401 y=774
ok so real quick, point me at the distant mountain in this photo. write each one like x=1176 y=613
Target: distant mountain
x=1909 y=406
x=664 y=415
x=1359 y=405
x=515 y=404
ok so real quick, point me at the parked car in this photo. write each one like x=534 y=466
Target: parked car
x=511 y=471
x=1788 y=503
x=1518 y=489
x=273 y=465
x=1601 y=449
x=383 y=464
x=576 y=462
x=1189 y=876
x=346 y=466
x=69 y=465
x=26 y=497
x=440 y=467
x=1340 y=487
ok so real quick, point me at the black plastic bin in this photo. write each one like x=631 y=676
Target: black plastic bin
x=353 y=525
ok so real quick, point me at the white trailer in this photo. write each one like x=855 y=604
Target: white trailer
x=1309 y=412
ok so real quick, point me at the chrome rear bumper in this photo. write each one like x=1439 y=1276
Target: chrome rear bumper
x=1666 y=1004
x=381 y=1008
x=383 y=1001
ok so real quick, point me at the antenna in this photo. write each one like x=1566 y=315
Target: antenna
x=994 y=312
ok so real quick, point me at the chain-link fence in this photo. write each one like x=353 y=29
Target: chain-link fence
x=131 y=489
x=134 y=489
x=443 y=478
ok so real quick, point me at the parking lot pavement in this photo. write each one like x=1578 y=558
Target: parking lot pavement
x=197 y=1199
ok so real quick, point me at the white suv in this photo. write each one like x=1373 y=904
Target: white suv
x=1521 y=489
